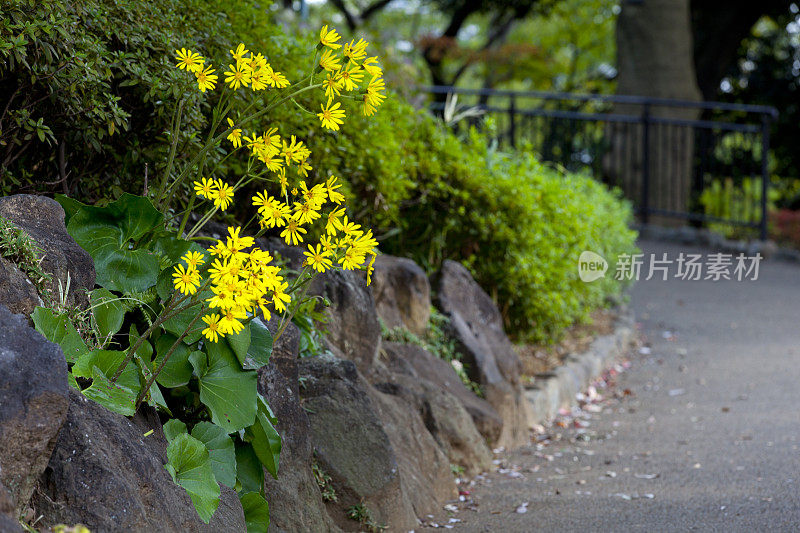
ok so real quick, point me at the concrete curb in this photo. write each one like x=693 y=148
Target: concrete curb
x=558 y=388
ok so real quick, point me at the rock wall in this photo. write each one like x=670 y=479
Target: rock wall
x=386 y=422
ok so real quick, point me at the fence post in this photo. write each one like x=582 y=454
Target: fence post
x=512 y=121
x=764 y=174
x=645 y=120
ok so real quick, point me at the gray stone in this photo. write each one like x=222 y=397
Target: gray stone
x=486 y=350
x=435 y=389
x=33 y=403
x=352 y=445
x=425 y=475
x=402 y=294
x=16 y=290
x=295 y=502
x=43 y=219
x=104 y=473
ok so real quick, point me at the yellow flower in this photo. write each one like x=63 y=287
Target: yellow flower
x=263 y=201
x=293 y=233
x=230 y=320
x=236 y=244
x=235 y=136
x=351 y=77
x=318 y=258
x=237 y=76
x=329 y=61
x=282 y=181
x=371 y=66
x=224 y=195
x=194 y=259
x=212 y=330
x=315 y=195
x=329 y=37
x=258 y=80
x=305 y=212
x=333 y=85
x=240 y=53
x=276 y=215
x=351 y=259
x=330 y=188
x=294 y=150
x=355 y=51
x=191 y=61
x=280 y=298
x=331 y=117
x=276 y=79
x=206 y=187
x=373 y=96
x=303 y=167
x=186 y=280
x=333 y=221
x=206 y=79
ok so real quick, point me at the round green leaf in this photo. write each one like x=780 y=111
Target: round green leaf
x=108 y=311
x=177 y=371
x=189 y=464
x=228 y=391
x=220 y=449
x=256 y=512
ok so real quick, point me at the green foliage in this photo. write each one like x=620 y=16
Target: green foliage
x=17 y=247
x=360 y=513
x=189 y=463
x=324 y=482
x=725 y=199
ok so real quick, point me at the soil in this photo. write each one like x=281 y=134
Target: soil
x=539 y=358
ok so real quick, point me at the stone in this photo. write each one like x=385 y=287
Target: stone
x=445 y=419
x=295 y=501
x=425 y=474
x=17 y=292
x=104 y=473
x=42 y=219
x=351 y=444
x=488 y=354
x=352 y=326
x=33 y=404
x=8 y=522
x=402 y=294
x=432 y=385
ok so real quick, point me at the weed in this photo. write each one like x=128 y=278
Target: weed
x=360 y=513
x=324 y=482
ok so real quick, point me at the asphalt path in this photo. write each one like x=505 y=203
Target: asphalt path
x=704 y=433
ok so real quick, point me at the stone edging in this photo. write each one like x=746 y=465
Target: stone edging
x=558 y=388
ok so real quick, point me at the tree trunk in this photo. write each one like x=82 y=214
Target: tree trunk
x=655 y=58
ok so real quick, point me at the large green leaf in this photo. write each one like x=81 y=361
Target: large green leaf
x=249 y=472
x=253 y=345
x=256 y=512
x=70 y=206
x=113 y=396
x=177 y=371
x=108 y=361
x=58 y=329
x=265 y=438
x=180 y=322
x=108 y=311
x=110 y=235
x=173 y=428
x=189 y=464
x=228 y=391
x=220 y=449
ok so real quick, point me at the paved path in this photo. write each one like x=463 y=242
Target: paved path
x=713 y=412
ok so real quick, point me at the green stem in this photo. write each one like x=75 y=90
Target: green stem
x=171 y=159
x=158 y=370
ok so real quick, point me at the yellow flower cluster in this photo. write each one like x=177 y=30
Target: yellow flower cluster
x=346 y=72
x=343 y=242
x=215 y=190
x=250 y=70
x=241 y=282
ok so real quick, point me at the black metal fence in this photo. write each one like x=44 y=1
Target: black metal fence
x=702 y=162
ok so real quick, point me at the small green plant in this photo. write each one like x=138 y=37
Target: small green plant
x=324 y=482
x=361 y=514
x=437 y=341
x=17 y=247
x=457 y=470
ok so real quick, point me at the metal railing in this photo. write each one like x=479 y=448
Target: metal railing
x=701 y=162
